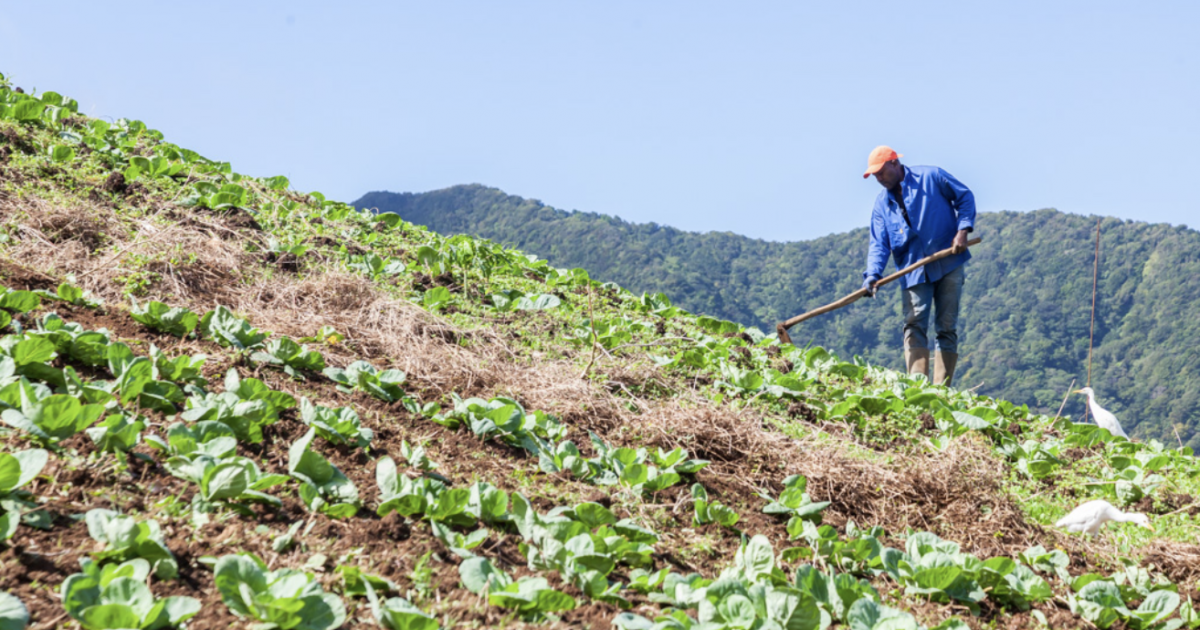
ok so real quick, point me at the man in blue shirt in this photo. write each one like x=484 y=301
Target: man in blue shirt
x=921 y=210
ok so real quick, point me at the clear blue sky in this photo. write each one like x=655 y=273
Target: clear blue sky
x=749 y=117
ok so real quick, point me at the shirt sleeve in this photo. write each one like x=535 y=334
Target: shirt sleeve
x=880 y=247
x=960 y=197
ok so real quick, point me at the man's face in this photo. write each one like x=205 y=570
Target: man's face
x=890 y=174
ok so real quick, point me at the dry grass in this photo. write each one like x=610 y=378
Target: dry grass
x=1178 y=561
x=956 y=493
x=193 y=262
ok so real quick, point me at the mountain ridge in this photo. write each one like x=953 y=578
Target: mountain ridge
x=1022 y=264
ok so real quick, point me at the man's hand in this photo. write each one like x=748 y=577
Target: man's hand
x=960 y=242
x=869 y=285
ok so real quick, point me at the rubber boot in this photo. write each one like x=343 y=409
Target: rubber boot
x=917 y=360
x=943 y=368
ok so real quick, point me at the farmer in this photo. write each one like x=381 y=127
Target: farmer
x=921 y=210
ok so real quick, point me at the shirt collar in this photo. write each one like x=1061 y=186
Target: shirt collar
x=909 y=181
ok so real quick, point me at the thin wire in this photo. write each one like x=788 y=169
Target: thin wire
x=1092 y=337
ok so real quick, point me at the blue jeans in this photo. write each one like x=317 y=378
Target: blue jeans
x=944 y=295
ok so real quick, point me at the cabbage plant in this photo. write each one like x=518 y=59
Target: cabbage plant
x=336 y=426
x=13 y=613
x=531 y=597
x=397 y=613
x=290 y=357
x=706 y=511
x=229 y=330
x=125 y=538
x=115 y=597
x=51 y=419
x=794 y=503
x=118 y=433
x=323 y=488
x=16 y=470
x=362 y=376
x=209 y=437
x=233 y=481
x=176 y=321
x=284 y=598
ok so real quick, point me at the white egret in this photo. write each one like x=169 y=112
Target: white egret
x=1103 y=416
x=1090 y=516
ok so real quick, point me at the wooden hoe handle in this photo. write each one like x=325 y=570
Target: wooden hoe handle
x=783 y=327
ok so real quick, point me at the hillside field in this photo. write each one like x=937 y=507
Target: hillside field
x=228 y=403
x=1026 y=317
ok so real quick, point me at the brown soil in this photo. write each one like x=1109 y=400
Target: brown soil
x=804 y=412
x=17 y=276
x=114 y=183
x=286 y=261
x=1074 y=454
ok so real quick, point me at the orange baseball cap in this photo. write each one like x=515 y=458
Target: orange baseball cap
x=881 y=155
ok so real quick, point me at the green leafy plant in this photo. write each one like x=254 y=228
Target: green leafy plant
x=436 y=298
x=1100 y=602
x=868 y=614
x=71 y=340
x=116 y=597
x=27 y=356
x=397 y=613
x=584 y=543
x=132 y=372
x=336 y=426
x=245 y=417
x=125 y=538
x=710 y=511
x=230 y=331
x=15 y=301
x=1053 y=562
x=118 y=433
x=428 y=496
x=16 y=470
x=753 y=593
x=176 y=321
x=246 y=406
x=515 y=300
x=184 y=369
x=324 y=488
x=279 y=248
x=51 y=419
x=530 y=597
x=506 y=419
x=213 y=197
x=13 y=613
x=565 y=456
x=209 y=437
x=284 y=598
x=456 y=542
x=290 y=356
x=795 y=503
x=640 y=469
x=326 y=335
x=376 y=266
x=232 y=481
x=355 y=581
x=360 y=375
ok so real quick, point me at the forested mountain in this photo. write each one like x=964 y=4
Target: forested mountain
x=1026 y=312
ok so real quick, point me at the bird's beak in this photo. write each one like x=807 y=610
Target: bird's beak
x=1148 y=526
x=1077 y=391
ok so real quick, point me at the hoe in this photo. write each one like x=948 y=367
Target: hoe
x=782 y=327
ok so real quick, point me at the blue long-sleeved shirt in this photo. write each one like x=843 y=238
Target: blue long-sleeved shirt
x=938 y=207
